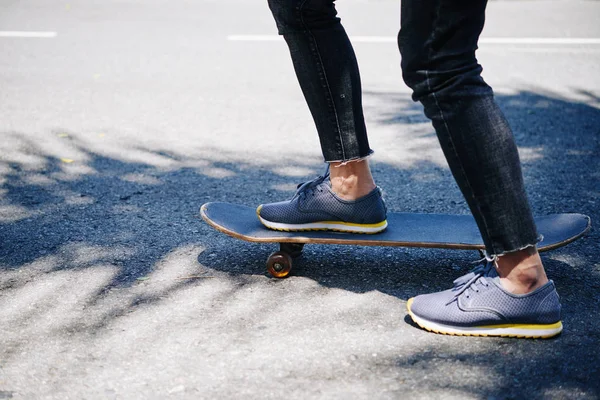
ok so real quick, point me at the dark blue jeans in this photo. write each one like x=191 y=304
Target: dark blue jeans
x=437 y=41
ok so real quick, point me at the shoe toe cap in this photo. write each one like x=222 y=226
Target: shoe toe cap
x=437 y=307
x=274 y=212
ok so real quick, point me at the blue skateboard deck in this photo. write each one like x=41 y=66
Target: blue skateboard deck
x=444 y=231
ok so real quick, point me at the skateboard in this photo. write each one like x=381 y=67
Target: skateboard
x=443 y=231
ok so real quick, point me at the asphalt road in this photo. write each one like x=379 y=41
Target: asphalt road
x=128 y=115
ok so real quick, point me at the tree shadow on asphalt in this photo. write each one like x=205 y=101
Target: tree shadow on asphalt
x=116 y=222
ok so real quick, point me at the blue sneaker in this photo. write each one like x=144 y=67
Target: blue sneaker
x=316 y=207
x=477 y=305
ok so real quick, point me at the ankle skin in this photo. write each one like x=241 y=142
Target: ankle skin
x=522 y=271
x=351 y=180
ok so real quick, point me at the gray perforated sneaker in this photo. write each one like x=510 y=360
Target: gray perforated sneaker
x=477 y=305
x=316 y=207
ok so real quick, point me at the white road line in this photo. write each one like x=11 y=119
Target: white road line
x=392 y=39
x=27 y=34
x=566 y=41
x=254 y=38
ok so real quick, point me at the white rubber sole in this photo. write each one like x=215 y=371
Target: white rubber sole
x=326 y=226
x=528 y=331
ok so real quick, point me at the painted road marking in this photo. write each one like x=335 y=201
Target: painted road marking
x=392 y=39
x=27 y=34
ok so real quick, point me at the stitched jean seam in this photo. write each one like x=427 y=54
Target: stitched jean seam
x=459 y=161
x=460 y=164
x=320 y=65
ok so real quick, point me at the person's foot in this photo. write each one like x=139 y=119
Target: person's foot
x=478 y=305
x=316 y=207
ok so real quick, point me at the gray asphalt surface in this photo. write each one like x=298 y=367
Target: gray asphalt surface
x=114 y=132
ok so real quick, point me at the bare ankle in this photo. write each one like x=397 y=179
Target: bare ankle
x=521 y=271
x=351 y=180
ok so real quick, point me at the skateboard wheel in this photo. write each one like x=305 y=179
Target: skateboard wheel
x=279 y=264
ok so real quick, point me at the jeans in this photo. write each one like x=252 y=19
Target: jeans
x=437 y=42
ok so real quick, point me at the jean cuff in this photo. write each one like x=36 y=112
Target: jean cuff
x=494 y=257
x=352 y=159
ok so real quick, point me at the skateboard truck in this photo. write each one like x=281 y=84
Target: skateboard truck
x=293 y=249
